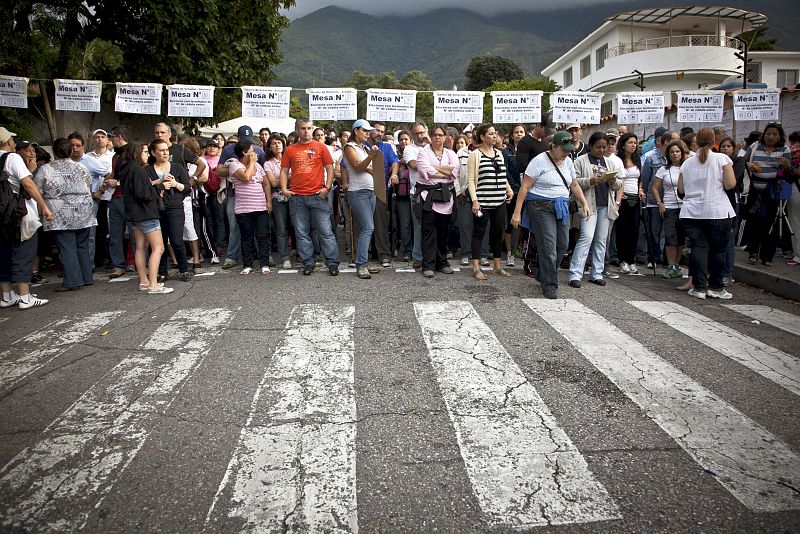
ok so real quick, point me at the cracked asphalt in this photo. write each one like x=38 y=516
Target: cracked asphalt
x=410 y=473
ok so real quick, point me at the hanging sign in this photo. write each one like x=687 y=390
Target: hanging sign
x=458 y=106
x=190 y=100
x=78 y=95
x=640 y=107
x=142 y=98
x=391 y=105
x=756 y=104
x=265 y=102
x=13 y=92
x=700 y=106
x=516 y=106
x=334 y=104
x=578 y=107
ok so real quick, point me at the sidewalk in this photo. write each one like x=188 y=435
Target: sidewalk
x=781 y=279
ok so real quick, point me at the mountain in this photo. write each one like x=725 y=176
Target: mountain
x=325 y=47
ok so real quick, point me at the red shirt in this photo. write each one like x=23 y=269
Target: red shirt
x=307 y=164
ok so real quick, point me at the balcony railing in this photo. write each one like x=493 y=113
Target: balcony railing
x=672 y=41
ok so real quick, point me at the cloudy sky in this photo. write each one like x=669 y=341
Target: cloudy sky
x=384 y=7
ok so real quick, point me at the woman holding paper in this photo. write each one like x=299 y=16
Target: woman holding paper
x=597 y=177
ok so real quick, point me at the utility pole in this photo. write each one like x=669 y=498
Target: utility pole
x=742 y=55
x=640 y=83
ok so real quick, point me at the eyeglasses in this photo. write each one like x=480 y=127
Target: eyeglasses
x=437 y=135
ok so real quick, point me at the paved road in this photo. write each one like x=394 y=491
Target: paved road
x=399 y=404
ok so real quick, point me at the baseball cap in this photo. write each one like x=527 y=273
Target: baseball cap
x=660 y=131
x=361 y=123
x=573 y=126
x=612 y=133
x=5 y=135
x=245 y=133
x=564 y=140
x=24 y=144
x=99 y=130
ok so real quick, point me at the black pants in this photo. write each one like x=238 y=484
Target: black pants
x=627 y=226
x=255 y=223
x=434 y=228
x=101 y=256
x=709 y=240
x=761 y=210
x=495 y=218
x=172 y=220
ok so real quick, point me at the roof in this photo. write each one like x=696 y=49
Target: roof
x=662 y=15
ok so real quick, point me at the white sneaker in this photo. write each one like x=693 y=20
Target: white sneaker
x=632 y=269
x=287 y=264
x=624 y=268
x=465 y=261
x=697 y=294
x=33 y=301
x=485 y=262
x=722 y=294
x=8 y=303
x=265 y=270
x=215 y=260
x=510 y=260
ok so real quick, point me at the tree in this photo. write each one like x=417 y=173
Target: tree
x=757 y=41
x=525 y=84
x=482 y=71
x=413 y=80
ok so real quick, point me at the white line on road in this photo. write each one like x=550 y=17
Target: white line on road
x=767 y=361
x=767 y=314
x=759 y=469
x=55 y=484
x=523 y=467
x=294 y=467
x=40 y=347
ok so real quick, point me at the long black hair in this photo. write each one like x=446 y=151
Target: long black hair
x=635 y=157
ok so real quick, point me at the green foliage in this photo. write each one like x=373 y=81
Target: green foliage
x=482 y=71
x=413 y=80
x=525 y=84
x=757 y=40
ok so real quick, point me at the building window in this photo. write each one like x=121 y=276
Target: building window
x=586 y=66
x=754 y=72
x=606 y=108
x=568 y=77
x=600 y=56
x=786 y=77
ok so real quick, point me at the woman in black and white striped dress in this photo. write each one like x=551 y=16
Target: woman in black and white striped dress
x=489 y=190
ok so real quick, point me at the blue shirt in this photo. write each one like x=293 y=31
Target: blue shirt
x=97 y=167
x=651 y=162
x=389 y=158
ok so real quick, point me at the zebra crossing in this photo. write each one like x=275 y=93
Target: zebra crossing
x=293 y=465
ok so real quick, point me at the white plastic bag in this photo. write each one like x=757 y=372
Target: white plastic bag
x=30 y=223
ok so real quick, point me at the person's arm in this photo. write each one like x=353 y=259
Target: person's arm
x=524 y=152
x=425 y=167
x=656 y=189
x=328 y=184
x=527 y=183
x=365 y=165
x=199 y=162
x=247 y=171
x=681 y=190
x=472 y=179
x=285 y=183
x=29 y=185
x=274 y=181
x=182 y=180
x=267 y=187
x=578 y=192
x=728 y=177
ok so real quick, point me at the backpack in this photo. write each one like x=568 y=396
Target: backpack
x=12 y=206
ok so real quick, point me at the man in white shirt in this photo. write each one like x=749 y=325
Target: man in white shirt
x=419 y=133
x=16 y=257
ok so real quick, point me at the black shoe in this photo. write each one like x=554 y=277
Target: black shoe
x=186 y=277
x=575 y=283
x=308 y=270
x=564 y=262
x=334 y=270
x=162 y=278
x=36 y=278
x=598 y=282
x=550 y=294
x=62 y=289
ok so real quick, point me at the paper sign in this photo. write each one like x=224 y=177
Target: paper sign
x=78 y=95
x=458 y=106
x=391 y=105
x=516 y=106
x=700 y=106
x=13 y=92
x=756 y=104
x=190 y=100
x=335 y=104
x=142 y=98
x=640 y=107
x=578 y=107
x=265 y=102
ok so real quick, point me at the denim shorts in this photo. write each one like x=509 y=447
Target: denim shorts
x=148 y=225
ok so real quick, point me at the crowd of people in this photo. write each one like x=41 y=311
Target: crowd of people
x=595 y=206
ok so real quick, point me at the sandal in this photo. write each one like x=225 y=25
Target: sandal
x=246 y=271
x=502 y=272
x=753 y=259
x=478 y=275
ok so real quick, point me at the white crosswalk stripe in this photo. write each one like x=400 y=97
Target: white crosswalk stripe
x=755 y=466
x=40 y=347
x=295 y=465
x=767 y=361
x=767 y=314
x=83 y=452
x=524 y=469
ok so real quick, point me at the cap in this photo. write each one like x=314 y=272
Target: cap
x=5 y=135
x=245 y=133
x=571 y=126
x=660 y=131
x=99 y=130
x=361 y=123
x=564 y=140
x=24 y=144
x=612 y=133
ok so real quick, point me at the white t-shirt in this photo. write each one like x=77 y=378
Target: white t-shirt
x=702 y=182
x=359 y=180
x=410 y=153
x=631 y=181
x=669 y=179
x=548 y=182
x=16 y=169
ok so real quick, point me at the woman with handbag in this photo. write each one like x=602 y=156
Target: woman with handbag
x=633 y=195
x=490 y=191
x=438 y=168
x=669 y=206
x=549 y=180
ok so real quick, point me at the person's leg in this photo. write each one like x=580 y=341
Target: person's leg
x=770 y=242
x=416 y=250
x=262 y=237
x=100 y=249
x=581 y=251
x=698 y=260
x=68 y=253
x=428 y=235
x=381 y=230
x=466 y=228
x=280 y=217
x=234 y=238
x=116 y=232
x=176 y=226
x=794 y=221
x=478 y=228
x=361 y=203
x=301 y=220
x=140 y=257
x=320 y=213
x=405 y=227
x=718 y=235
x=655 y=221
x=442 y=227
x=246 y=222
x=84 y=255
x=22 y=255
x=497 y=233
x=163 y=268
x=155 y=240
x=543 y=224
x=599 y=243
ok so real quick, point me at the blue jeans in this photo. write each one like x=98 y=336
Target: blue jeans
x=234 y=237
x=655 y=238
x=709 y=239
x=362 y=201
x=116 y=232
x=552 y=239
x=402 y=208
x=280 y=218
x=313 y=213
x=215 y=215
x=594 y=232
x=416 y=249
x=77 y=256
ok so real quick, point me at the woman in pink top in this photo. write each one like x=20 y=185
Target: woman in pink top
x=280 y=206
x=253 y=203
x=438 y=168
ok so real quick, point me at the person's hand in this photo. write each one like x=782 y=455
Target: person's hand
x=642 y=195
x=394 y=180
x=509 y=195
x=594 y=180
x=662 y=209
x=48 y=214
x=287 y=194
x=167 y=183
x=587 y=210
x=476 y=207
x=323 y=193
x=783 y=162
x=516 y=219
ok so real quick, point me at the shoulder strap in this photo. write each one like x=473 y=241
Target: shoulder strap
x=3 y=159
x=559 y=171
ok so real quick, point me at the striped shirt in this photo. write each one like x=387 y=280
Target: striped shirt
x=492 y=180
x=250 y=195
x=768 y=161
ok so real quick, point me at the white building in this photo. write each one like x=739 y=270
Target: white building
x=678 y=48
